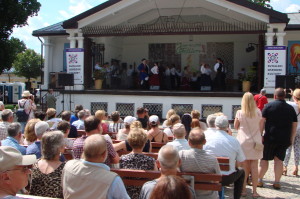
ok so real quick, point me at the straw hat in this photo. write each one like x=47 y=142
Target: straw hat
x=26 y=94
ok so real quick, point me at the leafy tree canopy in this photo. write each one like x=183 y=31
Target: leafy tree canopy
x=16 y=13
x=264 y=3
x=27 y=64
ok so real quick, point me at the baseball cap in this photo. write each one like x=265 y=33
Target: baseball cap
x=129 y=119
x=10 y=157
x=153 y=119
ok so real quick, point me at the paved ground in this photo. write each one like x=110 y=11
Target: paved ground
x=290 y=185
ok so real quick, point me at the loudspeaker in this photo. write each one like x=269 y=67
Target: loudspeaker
x=285 y=81
x=65 y=79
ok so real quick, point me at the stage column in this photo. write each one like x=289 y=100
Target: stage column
x=48 y=61
x=269 y=38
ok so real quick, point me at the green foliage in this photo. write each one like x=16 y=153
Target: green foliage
x=99 y=74
x=27 y=64
x=10 y=106
x=264 y=3
x=249 y=75
x=9 y=51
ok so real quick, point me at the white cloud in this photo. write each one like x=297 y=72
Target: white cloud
x=76 y=7
x=292 y=8
x=65 y=14
x=280 y=5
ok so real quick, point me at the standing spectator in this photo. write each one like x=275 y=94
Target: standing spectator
x=35 y=148
x=136 y=159
x=27 y=102
x=143 y=69
x=220 y=69
x=52 y=119
x=90 y=177
x=79 y=124
x=198 y=160
x=66 y=116
x=280 y=121
x=14 y=137
x=154 y=77
x=168 y=161
x=141 y=116
x=6 y=96
x=155 y=134
x=15 y=169
x=7 y=118
x=205 y=75
x=74 y=117
x=223 y=145
x=247 y=122
x=92 y=126
x=180 y=143
x=296 y=144
x=51 y=100
x=261 y=99
x=46 y=172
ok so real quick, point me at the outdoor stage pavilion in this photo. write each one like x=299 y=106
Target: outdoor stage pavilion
x=128 y=30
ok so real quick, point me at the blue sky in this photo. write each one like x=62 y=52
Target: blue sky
x=53 y=11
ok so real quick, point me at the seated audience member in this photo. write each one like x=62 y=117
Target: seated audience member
x=40 y=115
x=79 y=124
x=52 y=120
x=195 y=123
x=210 y=120
x=141 y=116
x=87 y=112
x=180 y=143
x=155 y=134
x=168 y=161
x=136 y=159
x=196 y=115
x=123 y=133
x=168 y=115
x=47 y=171
x=93 y=126
x=174 y=119
x=171 y=187
x=100 y=114
x=116 y=125
x=186 y=120
x=75 y=117
x=223 y=145
x=198 y=160
x=14 y=131
x=89 y=177
x=7 y=118
x=29 y=134
x=64 y=127
x=66 y=116
x=35 y=148
x=14 y=171
x=2 y=107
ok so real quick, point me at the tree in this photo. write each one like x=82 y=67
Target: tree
x=9 y=52
x=13 y=13
x=264 y=3
x=28 y=64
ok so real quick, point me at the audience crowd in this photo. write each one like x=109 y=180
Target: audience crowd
x=70 y=156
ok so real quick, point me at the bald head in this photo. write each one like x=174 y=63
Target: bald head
x=168 y=157
x=279 y=93
x=94 y=148
x=196 y=137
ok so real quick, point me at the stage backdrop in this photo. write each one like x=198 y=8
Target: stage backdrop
x=293 y=57
x=75 y=58
x=275 y=64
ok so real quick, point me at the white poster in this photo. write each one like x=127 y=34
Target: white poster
x=275 y=64
x=75 y=58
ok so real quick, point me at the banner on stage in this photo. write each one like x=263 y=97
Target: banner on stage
x=75 y=61
x=275 y=64
x=186 y=48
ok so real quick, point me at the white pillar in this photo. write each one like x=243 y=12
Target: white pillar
x=269 y=39
x=47 y=45
x=280 y=37
x=80 y=42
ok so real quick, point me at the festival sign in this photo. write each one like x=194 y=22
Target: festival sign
x=191 y=48
x=75 y=58
x=275 y=64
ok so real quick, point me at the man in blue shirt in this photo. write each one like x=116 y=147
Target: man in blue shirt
x=14 y=137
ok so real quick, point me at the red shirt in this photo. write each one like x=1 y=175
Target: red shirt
x=260 y=100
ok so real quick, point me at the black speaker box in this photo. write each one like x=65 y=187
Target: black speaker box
x=65 y=79
x=285 y=81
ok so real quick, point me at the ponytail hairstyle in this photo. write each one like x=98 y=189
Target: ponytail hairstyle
x=173 y=120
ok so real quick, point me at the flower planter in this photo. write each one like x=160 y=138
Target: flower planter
x=246 y=86
x=98 y=83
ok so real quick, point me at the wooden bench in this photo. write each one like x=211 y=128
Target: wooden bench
x=200 y=181
x=80 y=133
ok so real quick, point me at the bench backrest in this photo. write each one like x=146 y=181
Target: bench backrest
x=201 y=181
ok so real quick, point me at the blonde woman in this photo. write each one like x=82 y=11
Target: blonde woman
x=296 y=144
x=169 y=114
x=100 y=114
x=29 y=133
x=174 y=119
x=247 y=122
